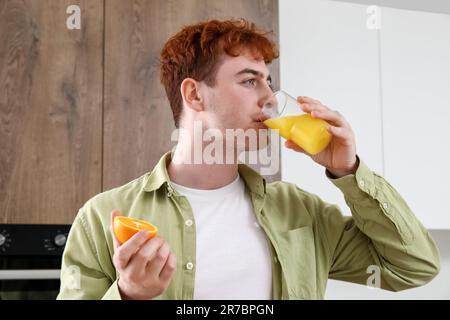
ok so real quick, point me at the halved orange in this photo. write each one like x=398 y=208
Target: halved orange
x=126 y=227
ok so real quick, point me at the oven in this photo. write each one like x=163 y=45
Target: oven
x=30 y=260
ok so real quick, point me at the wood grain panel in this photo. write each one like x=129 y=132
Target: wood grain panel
x=138 y=119
x=50 y=109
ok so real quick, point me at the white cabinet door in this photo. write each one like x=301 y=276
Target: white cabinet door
x=415 y=59
x=327 y=52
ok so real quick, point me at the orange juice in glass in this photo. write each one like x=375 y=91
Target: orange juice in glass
x=286 y=116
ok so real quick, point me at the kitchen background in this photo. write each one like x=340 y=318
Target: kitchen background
x=82 y=110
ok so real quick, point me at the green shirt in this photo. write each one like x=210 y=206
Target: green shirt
x=310 y=240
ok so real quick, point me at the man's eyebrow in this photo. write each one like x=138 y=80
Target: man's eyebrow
x=254 y=72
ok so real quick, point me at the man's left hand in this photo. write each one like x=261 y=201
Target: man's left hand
x=339 y=157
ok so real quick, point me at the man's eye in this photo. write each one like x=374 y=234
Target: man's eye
x=250 y=81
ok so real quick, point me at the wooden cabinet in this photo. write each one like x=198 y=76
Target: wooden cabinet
x=82 y=111
x=51 y=82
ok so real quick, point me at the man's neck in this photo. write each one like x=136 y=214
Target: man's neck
x=182 y=171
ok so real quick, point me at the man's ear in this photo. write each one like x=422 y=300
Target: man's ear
x=190 y=92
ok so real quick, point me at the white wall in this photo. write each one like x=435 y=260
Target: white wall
x=327 y=52
x=379 y=80
x=415 y=66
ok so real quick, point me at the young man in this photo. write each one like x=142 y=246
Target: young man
x=224 y=233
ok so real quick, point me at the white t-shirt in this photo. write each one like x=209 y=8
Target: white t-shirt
x=232 y=254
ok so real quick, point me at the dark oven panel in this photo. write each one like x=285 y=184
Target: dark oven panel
x=30 y=260
x=32 y=240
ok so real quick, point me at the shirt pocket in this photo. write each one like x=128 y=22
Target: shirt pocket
x=298 y=262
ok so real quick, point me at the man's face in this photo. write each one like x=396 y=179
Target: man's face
x=241 y=88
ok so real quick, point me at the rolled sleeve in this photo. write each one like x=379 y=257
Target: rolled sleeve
x=386 y=229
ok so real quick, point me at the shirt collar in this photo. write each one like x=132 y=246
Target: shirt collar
x=159 y=176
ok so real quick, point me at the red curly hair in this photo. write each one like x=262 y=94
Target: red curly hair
x=195 y=53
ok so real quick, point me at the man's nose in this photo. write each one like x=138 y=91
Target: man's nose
x=267 y=97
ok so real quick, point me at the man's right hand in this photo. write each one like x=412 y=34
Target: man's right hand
x=145 y=266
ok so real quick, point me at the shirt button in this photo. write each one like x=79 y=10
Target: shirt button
x=189 y=265
x=385 y=205
x=188 y=222
x=361 y=183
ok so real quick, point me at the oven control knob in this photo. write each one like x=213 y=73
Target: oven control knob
x=2 y=239
x=60 y=240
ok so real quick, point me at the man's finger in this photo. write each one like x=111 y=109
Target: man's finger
x=169 y=268
x=340 y=132
x=159 y=259
x=310 y=106
x=309 y=100
x=129 y=248
x=330 y=115
x=141 y=258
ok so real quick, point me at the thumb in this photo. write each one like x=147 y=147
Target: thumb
x=114 y=213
